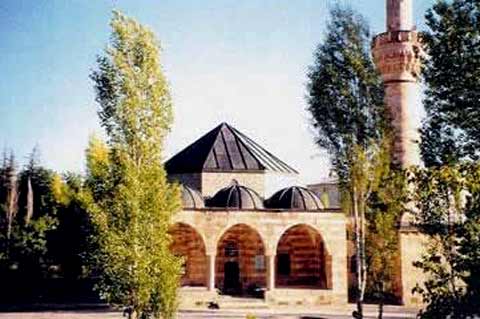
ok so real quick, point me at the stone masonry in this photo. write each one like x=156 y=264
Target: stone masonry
x=316 y=241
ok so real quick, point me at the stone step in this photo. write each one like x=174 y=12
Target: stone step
x=226 y=302
x=246 y=306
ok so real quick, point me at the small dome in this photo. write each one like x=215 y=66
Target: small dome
x=191 y=198
x=295 y=198
x=237 y=197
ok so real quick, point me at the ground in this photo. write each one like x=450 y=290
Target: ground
x=327 y=313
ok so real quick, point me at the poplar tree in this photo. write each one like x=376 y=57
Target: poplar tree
x=345 y=99
x=344 y=89
x=451 y=130
x=130 y=198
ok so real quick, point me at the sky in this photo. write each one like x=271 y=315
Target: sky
x=241 y=62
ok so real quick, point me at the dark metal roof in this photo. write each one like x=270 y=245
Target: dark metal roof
x=225 y=149
x=236 y=196
x=295 y=198
x=191 y=198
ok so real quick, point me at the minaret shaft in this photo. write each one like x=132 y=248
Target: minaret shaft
x=399 y=15
x=397 y=56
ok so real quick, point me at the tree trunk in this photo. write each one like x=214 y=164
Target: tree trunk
x=380 y=309
x=358 y=259
x=363 y=254
x=381 y=301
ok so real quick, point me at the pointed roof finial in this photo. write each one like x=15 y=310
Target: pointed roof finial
x=399 y=15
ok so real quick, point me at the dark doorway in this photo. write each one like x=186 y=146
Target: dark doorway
x=283 y=264
x=231 y=284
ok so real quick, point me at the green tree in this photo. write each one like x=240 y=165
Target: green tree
x=34 y=184
x=344 y=91
x=24 y=261
x=345 y=99
x=366 y=167
x=451 y=130
x=130 y=198
x=69 y=244
x=448 y=212
x=386 y=207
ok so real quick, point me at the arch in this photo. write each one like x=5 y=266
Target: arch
x=240 y=262
x=302 y=259
x=307 y=224
x=188 y=243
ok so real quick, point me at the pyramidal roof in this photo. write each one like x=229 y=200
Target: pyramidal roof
x=225 y=149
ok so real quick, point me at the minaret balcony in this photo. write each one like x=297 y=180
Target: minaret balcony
x=398 y=55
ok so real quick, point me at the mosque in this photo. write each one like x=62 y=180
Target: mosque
x=248 y=229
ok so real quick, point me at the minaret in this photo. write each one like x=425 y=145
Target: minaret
x=397 y=56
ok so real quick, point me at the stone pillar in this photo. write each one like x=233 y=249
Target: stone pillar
x=328 y=271
x=211 y=272
x=270 y=263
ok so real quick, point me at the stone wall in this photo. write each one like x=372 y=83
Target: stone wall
x=302 y=298
x=412 y=247
x=270 y=226
x=211 y=183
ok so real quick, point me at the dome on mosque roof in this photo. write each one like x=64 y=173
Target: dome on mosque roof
x=295 y=198
x=236 y=196
x=191 y=198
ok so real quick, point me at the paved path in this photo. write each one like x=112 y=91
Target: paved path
x=331 y=313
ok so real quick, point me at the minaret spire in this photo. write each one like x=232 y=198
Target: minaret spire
x=399 y=15
x=397 y=56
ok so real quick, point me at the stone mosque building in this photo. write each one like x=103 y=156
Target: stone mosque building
x=248 y=229
x=239 y=240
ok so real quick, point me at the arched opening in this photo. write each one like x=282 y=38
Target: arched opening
x=302 y=260
x=188 y=243
x=240 y=263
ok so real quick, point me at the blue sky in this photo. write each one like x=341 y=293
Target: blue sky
x=243 y=62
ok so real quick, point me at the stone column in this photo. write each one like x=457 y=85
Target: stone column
x=270 y=261
x=211 y=272
x=328 y=271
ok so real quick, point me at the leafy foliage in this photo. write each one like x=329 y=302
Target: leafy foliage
x=130 y=199
x=24 y=259
x=345 y=98
x=386 y=207
x=451 y=131
x=448 y=212
x=70 y=243
x=345 y=92
x=374 y=200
